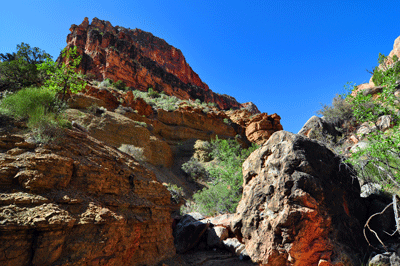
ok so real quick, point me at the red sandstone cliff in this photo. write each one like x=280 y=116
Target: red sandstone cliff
x=141 y=60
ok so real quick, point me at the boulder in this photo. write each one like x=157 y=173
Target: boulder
x=237 y=248
x=78 y=201
x=316 y=126
x=216 y=235
x=189 y=231
x=262 y=126
x=300 y=205
x=384 y=122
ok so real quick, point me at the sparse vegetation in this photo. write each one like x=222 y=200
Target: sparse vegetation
x=379 y=161
x=339 y=112
x=223 y=190
x=176 y=192
x=40 y=107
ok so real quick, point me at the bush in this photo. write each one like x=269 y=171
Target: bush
x=337 y=113
x=107 y=83
x=224 y=192
x=120 y=85
x=152 y=93
x=176 y=192
x=195 y=169
x=39 y=106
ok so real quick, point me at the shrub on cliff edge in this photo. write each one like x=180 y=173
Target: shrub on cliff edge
x=40 y=107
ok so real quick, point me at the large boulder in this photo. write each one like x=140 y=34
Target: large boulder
x=316 y=126
x=78 y=201
x=300 y=205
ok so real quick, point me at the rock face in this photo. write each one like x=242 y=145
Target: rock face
x=141 y=60
x=300 y=205
x=316 y=126
x=79 y=202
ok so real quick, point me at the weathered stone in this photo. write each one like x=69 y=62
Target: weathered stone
x=262 y=126
x=141 y=60
x=97 y=206
x=188 y=232
x=380 y=260
x=116 y=130
x=315 y=127
x=300 y=205
x=234 y=246
x=384 y=122
x=216 y=235
x=359 y=146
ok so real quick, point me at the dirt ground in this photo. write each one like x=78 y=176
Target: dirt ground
x=206 y=258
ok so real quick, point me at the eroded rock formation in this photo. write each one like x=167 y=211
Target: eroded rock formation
x=141 y=60
x=79 y=202
x=300 y=205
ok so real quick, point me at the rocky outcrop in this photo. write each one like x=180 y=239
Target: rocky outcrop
x=117 y=130
x=262 y=126
x=256 y=127
x=316 y=127
x=141 y=60
x=300 y=205
x=79 y=202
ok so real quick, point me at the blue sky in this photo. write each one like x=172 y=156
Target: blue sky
x=285 y=56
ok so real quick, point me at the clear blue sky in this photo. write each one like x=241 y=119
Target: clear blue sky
x=285 y=56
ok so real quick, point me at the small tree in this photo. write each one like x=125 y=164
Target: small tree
x=19 y=70
x=63 y=77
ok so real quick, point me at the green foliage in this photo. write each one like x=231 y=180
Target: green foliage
x=107 y=83
x=195 y=169
x=176 y=192
x=387 y=69
x=223 y=193
x=381 y=159
x=39 y=107
x=120 y=85
x=63 y=77
x=152 y=93
x=337 y=113
x=19 y=70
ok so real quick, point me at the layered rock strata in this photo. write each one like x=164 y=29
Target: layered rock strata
x=79 y=202
x=300 y=205
x=141 y=60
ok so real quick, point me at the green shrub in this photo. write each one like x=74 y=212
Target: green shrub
x=195 y=169
x=120 y=85
x=63 y=78
x=386 y=69
x=40 y=107
x=152 y=93
x=176 y=192
x=107 y=83
x=337 y=113
x=224 y=192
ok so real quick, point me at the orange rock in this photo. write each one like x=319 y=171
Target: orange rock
x=82 y=202
x=141 y=60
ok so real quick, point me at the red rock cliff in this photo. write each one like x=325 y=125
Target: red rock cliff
x=141 y=60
